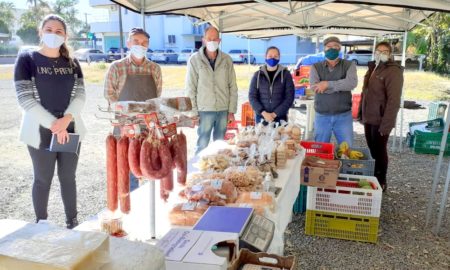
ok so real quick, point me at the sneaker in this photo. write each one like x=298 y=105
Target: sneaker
x=70 y=224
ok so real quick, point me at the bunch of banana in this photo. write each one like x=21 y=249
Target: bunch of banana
x=343 y=151
x=356 y=154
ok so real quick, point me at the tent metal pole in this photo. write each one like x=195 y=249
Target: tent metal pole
x=220 y=29
x=317 y=44
x=443 y=199
x=437 y=171
x=122 y=53
x=373 y=49
x=143 y=13
x=402 y=100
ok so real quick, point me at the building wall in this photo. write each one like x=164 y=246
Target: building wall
x=186 y=35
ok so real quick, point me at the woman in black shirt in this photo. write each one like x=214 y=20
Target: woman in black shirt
x=50 y=90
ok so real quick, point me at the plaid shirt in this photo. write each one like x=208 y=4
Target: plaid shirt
x=117 y=74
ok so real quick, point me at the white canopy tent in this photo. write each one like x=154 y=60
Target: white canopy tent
x=268 y=18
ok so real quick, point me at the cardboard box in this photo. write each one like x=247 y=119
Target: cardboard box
x=192 y=250
x=263 y=259
x=320 y=176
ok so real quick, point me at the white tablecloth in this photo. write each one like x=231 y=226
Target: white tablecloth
x=137 y=223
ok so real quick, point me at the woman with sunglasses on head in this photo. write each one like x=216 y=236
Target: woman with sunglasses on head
x=50 y=90
x=380 y=103
x=271 y=89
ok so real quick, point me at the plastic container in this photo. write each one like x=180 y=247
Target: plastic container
x=318 y=149
x=247 y=115
x=356 y=99
x=347 y=197
x=110 y=223
x=437 y=110
x=232 y=130
x=430 y=143
x=342 y=226
x=300 y=202
x=365 y=166
x=434 y=125
x=299 y=92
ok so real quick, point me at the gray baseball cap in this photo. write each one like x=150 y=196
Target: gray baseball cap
x=331 y=39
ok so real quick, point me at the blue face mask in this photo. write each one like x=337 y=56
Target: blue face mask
x=271 y=62
x=332 y=54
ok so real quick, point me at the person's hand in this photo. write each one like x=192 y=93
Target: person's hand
x=61 y=124
x=230 y=117
x=63 y=137
x=320 y=87
x=267 y=116
x=274 y=115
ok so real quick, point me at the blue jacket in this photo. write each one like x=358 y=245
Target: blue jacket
x=276 y=97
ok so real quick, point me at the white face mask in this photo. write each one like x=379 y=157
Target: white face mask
x=381 y=57
x=212 y=46
x=52 y=40
x=138 y=51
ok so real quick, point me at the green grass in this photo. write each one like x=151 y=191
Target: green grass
x=424 y=86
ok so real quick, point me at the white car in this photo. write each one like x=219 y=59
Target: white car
x=240 y=56
x=89 y=55
x=164 y=56
x=185 y=54
x=28 y=48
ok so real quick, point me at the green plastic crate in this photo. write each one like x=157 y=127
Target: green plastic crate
x=430 y=143
x=434 y=125
x=300 y=202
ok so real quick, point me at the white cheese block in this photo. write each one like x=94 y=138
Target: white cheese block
x=44 y=246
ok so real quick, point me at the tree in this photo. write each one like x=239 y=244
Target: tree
x=29 y=34
x=436 y=36
x=6 y=17
x=66 y=9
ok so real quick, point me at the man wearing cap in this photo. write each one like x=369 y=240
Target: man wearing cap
x=133 y=78
x=211 y=85
x=333 y=80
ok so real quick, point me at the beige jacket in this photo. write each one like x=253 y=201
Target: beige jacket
x=211 y=90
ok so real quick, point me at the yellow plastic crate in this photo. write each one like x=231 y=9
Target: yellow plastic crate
x=342 y=226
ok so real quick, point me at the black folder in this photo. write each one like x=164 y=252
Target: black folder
x=70 y=147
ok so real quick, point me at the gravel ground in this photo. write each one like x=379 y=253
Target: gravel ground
x=404 y=240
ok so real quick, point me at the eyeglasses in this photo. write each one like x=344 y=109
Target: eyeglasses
x=382 y=52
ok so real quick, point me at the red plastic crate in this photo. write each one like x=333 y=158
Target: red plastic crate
x=319 y=149
x=232 y=130
x=247 y=115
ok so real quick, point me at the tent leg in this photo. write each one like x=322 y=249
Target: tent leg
x=437 y=171
x=443 y=202
x=402 y=100
x=143 y=13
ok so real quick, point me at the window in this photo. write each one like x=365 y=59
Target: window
x=172 y=39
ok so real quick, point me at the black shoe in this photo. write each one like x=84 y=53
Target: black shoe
x=70 y=224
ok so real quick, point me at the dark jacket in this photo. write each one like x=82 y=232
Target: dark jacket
x=277 y=96
x=381 y=95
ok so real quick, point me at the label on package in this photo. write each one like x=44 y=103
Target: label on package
x=216 y=183
x=256 y=195
x=189 y=206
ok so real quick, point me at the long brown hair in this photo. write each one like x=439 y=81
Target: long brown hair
x=64 y=50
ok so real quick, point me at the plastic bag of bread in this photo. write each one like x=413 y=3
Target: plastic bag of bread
x=212 y=192
x=137 y=106
x=321 y=163
x=244 y=178
x=187 y=214
x=257 y=200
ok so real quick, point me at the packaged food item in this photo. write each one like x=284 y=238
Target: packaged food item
x=216 y=163
x=211 y=191
x=111 y=222
x=257 y=200
x=187 y=214
x=245 y=178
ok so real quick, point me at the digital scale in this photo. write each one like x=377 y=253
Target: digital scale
x=255 y=231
